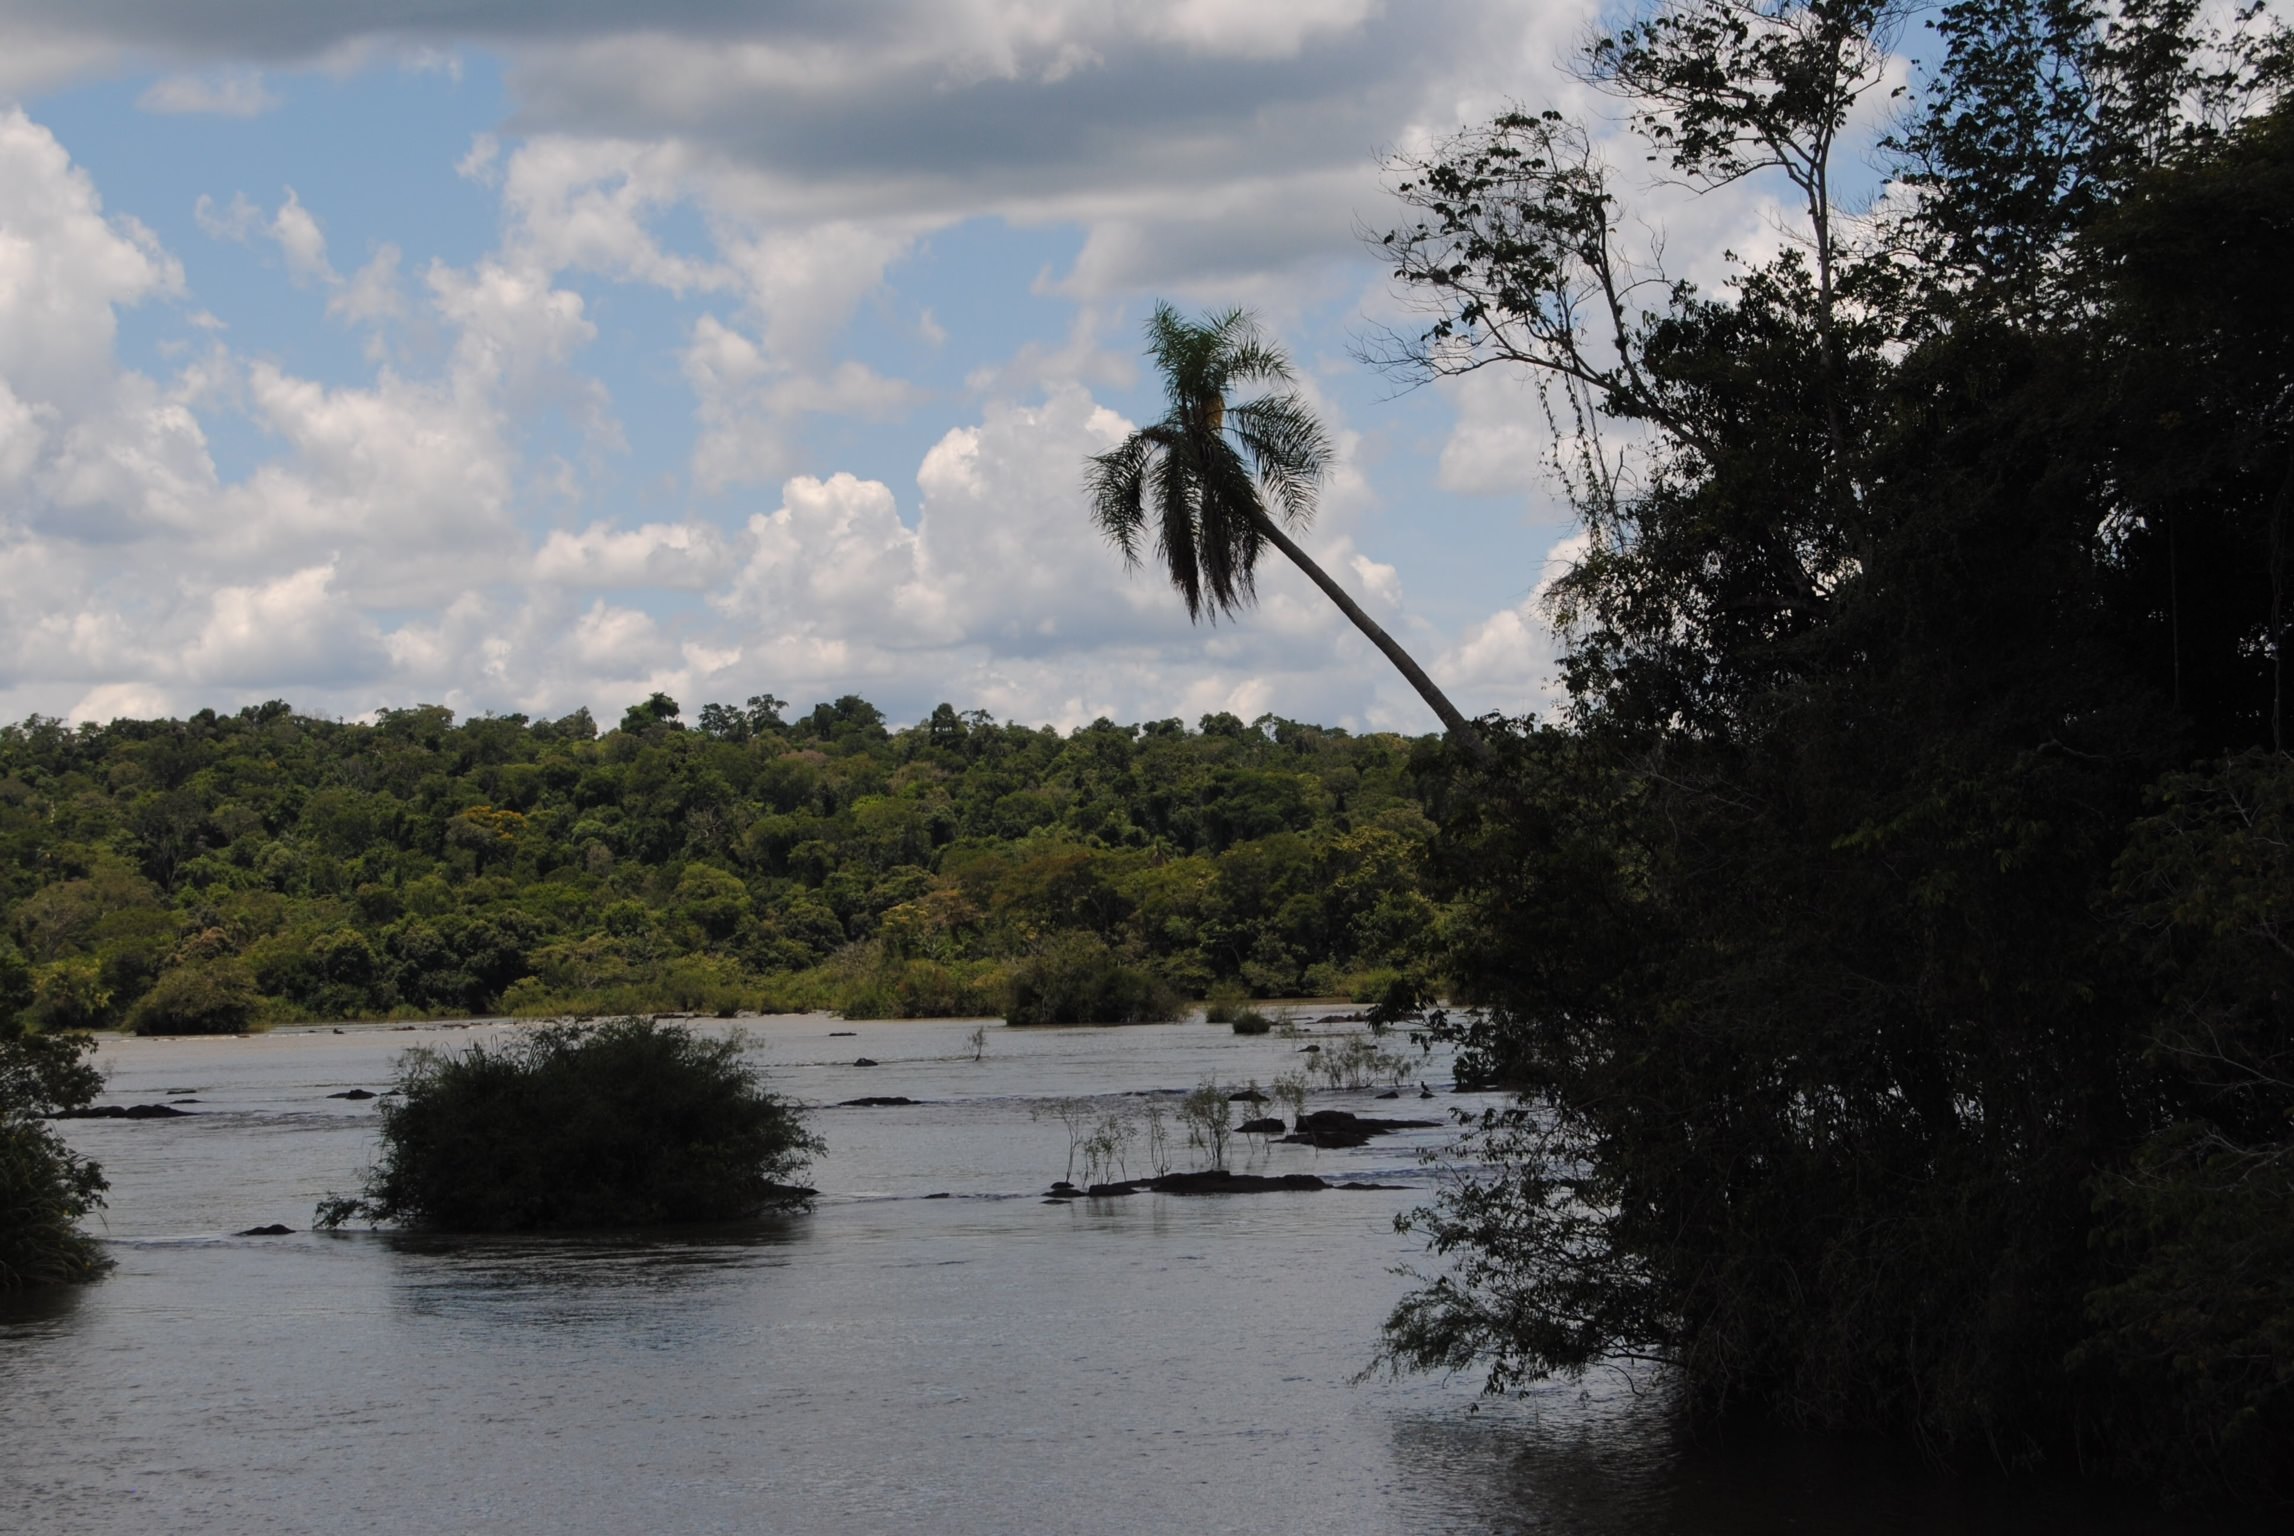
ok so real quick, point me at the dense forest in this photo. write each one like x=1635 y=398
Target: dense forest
x=221 y=871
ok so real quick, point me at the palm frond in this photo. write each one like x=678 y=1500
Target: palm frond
x=1228 y=516
x=1116 y=483
x=1177 y=538
x=1287 y=449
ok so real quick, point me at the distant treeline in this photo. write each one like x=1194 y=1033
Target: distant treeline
x=211 y=873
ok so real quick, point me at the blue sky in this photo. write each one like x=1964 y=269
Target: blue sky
x=529 y=357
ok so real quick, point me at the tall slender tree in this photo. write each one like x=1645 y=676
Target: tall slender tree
x=1198 y=483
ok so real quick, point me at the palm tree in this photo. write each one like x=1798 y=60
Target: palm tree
x=1201 y=478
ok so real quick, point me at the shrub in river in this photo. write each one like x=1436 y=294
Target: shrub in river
x=205 y=997
x=1356 y=1062
x=627 y=1123
x=1156 y=1120
x=1227 y=1002
x=1290 y=1092
x=1107 y=1150
x=1075 y=1114
x=1251 y=1022
x=1076 y=979
x=45 y=1187
x=1209 y=1118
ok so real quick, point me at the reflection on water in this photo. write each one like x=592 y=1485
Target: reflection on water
x=980 y=1363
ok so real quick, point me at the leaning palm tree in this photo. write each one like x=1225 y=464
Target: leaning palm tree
x=1200 y=481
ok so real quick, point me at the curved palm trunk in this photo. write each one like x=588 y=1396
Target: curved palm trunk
x=1460 y=729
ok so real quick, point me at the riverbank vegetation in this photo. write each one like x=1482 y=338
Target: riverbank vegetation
x=1889 y=941
x=45 y=1187
x=630 y=1123
x=209 y=874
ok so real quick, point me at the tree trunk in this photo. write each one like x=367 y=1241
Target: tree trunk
x=1461 y=730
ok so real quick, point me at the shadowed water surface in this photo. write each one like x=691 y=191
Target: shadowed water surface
x=984 y=1362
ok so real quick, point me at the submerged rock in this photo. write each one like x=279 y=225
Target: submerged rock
x=875 y=1101
x=122 y=1112
x=868 y=1061
x=1334 y=1129
x=275 y=1229
x=1203 y=1181
x=1247 y=1096
x=1218 y=1181
x=354 y=1093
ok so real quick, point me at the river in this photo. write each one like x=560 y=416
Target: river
x=934 y=1348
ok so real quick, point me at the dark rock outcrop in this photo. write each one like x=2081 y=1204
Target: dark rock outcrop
x=275 y=1229
x=1203 y=1181
x=875 y=1101
x=1247 y=1096
x=1265 y=1125
x=353 y=1093
x=1218 y=1181
x=122 y=1112
x=867 y=1061
x=1333 y=1129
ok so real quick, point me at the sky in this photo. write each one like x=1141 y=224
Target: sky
x=525 y=357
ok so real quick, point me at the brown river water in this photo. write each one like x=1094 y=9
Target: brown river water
x=981 y=1363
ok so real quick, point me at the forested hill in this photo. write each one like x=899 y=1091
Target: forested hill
x=227 y=869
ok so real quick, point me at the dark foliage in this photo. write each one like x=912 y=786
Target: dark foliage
x=625 y=1124
x=1890 y=958
x=45 y=1187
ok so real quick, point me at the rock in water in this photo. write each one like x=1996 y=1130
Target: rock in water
x=1334 y=1129
x=1217 y=1181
